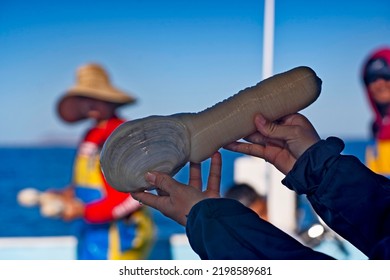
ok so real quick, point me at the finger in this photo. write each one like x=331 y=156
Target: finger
x=195 y=176
x=246 y=148
x=162 y=181
x=275 y=130
x=161 y=192
x=258 y=138
x=149 y=199
x=214 y=180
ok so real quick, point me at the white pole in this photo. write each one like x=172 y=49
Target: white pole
x=281 y=201
x=268 y=38
x=264 y=177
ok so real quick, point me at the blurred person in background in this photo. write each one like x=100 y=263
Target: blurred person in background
x=376 y=81
x=250 y=198
x=110 y=224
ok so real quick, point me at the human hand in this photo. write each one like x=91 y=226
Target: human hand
x=281 y=142
x=176 y=200
x=72 y=209
x=69 y=207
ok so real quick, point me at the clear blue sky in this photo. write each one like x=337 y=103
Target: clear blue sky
x=181 y=56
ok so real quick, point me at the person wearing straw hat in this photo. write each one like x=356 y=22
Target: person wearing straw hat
x=111 y=224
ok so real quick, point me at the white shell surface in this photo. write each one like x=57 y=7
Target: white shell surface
x=155 y=143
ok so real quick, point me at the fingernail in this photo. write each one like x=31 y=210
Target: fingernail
x=150 y=178
x=261 y=119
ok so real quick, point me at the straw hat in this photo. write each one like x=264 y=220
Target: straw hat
x=91 y=81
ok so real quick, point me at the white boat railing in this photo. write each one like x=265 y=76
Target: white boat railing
x=38 y=248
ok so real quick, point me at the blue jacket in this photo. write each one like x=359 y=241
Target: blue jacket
x=351 y=199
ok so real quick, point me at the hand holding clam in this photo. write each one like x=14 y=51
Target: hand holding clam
x=167 y=143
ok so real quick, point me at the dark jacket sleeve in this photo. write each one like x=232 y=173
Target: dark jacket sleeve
x=350 y=198
x=225 y=229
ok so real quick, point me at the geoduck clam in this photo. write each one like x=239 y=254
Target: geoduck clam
x=167 y=143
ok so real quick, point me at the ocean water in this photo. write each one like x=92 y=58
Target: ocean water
x=50 y=168
x=46 y=168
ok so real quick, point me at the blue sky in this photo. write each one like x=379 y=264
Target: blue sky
x=181 y=56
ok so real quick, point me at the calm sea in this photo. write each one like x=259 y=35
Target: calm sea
x=50 y=168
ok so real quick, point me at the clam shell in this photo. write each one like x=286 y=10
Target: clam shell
x=155 y=143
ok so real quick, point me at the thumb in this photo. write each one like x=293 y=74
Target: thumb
x=271 y=130
x=161 y=181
